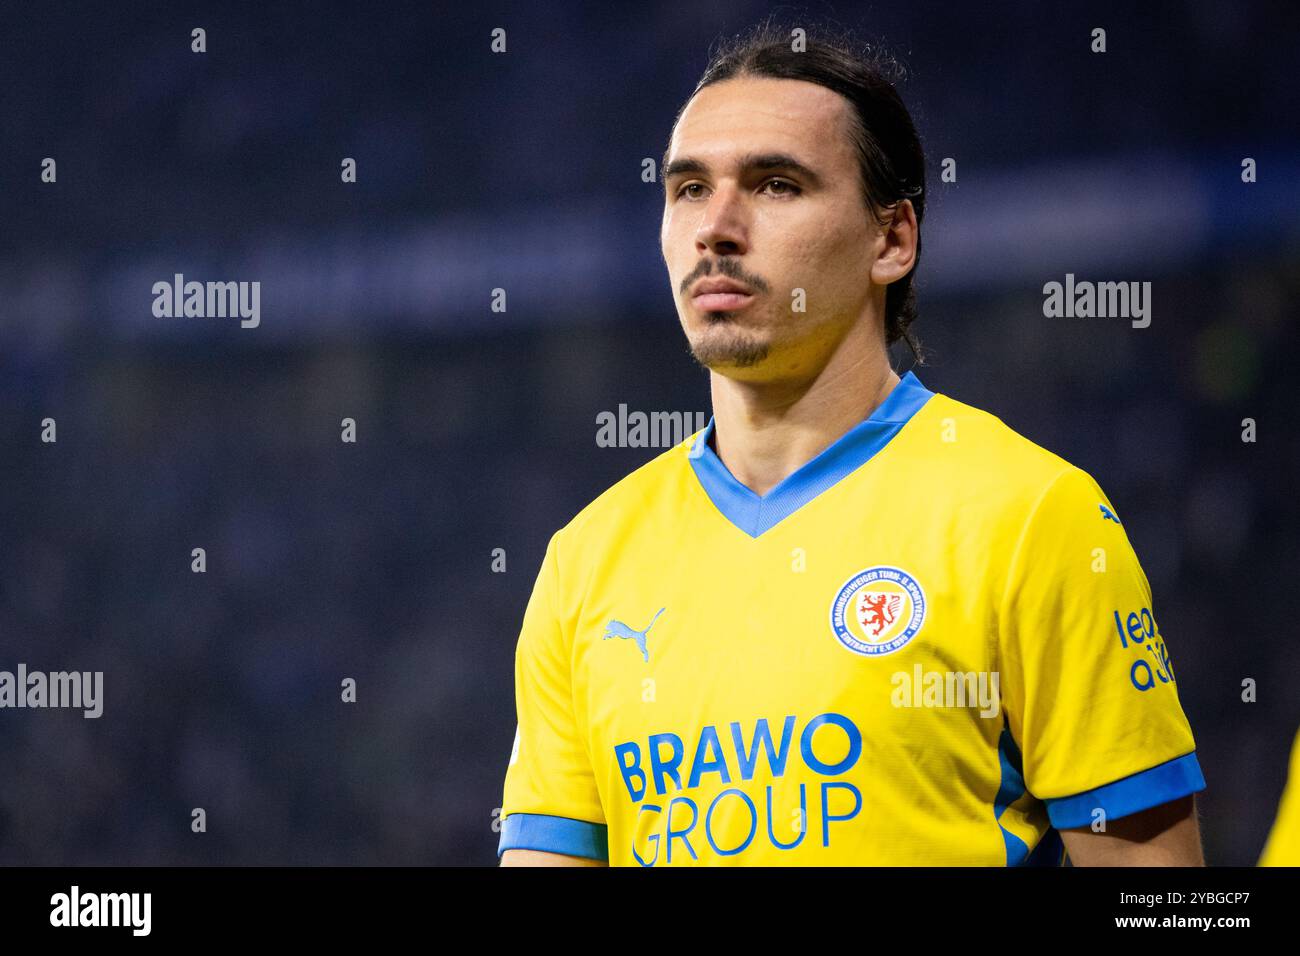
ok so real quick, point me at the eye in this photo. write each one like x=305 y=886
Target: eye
x=682 y=191
x=788 y=188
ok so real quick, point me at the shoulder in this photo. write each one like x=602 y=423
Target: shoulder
x=644 y=497
x=992 y=463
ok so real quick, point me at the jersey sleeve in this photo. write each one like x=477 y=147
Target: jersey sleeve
x=1283 y=846
x=1087 y=679
x=551 y=801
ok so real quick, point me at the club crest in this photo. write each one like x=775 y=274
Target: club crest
x=878 y=611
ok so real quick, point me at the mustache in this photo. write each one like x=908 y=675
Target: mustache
x=724 y=267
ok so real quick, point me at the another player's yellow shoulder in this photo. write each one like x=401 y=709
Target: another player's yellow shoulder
x=1283 y=846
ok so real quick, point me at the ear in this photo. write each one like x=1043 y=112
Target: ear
x=898 y=255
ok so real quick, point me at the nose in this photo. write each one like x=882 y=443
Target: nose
x=724 y=229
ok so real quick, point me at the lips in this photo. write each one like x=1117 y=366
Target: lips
x=721 y=301
x=720 y=295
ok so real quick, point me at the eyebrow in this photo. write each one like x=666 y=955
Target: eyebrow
x=750 y=162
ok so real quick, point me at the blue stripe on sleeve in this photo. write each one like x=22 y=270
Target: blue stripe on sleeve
x=1141 y=791
x=538 y=831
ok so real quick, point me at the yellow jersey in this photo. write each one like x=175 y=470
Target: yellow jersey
x=1283 y=846
x=932 y=644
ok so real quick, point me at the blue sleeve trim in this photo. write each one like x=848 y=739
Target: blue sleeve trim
x=1141 y=791
x=537 y=831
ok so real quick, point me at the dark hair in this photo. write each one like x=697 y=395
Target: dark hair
x=890 y=157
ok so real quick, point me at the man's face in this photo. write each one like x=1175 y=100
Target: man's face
x=762 y=187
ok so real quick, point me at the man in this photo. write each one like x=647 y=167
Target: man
x=852 y=621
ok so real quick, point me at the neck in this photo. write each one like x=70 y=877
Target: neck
x=765 y=431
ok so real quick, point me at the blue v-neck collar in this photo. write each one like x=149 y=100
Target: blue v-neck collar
x=754 y=514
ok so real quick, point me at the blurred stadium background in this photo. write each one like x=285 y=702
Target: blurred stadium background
x=476 y=430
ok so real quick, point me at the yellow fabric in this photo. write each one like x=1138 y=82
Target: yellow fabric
x=1022 y=575
x=1283 y=846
